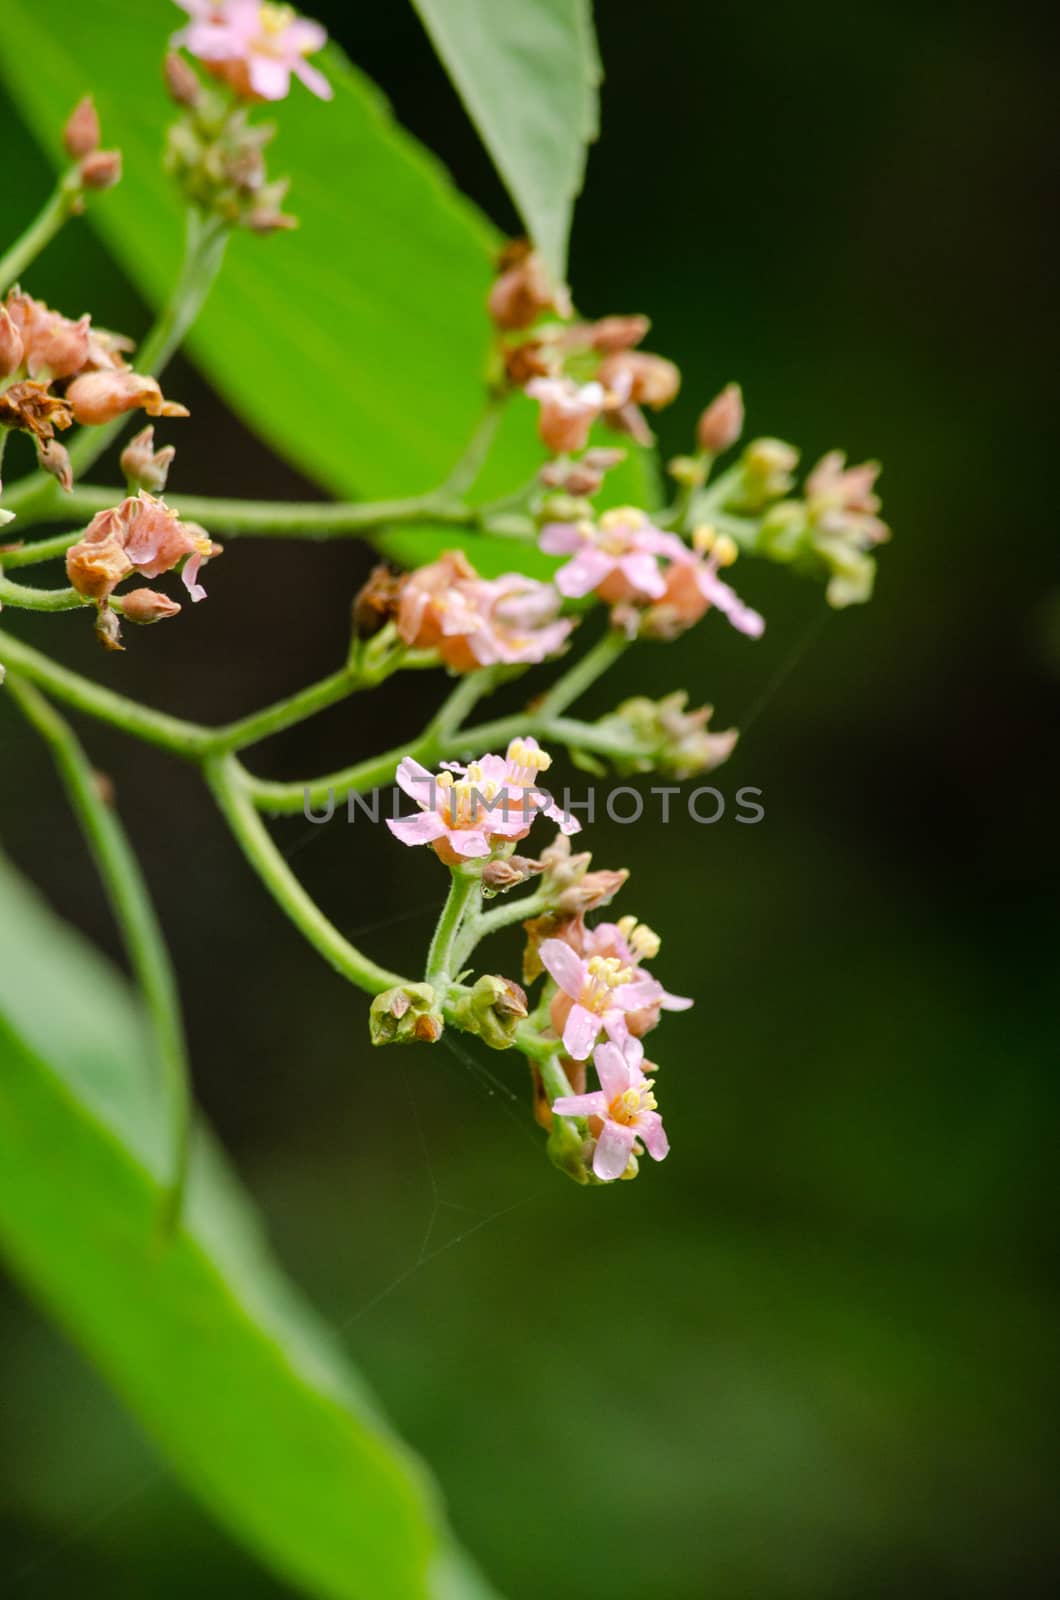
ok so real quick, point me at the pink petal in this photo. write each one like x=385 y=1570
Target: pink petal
x=421 y=829
x=468 y=842
x=567 y=822
x=189 y=575
x=676 y=1002
x=269 y=77
x=581 y=1032
x=560 y=539
x=651 y=1132
x=635 y=996
x=313 y=79
x=642 y=571
x=618 y=1032
x=613 y=1150
x=561 y=963
x=582 y=575
x=415 y=781
x=581 y=1105
x=612 y=1069
x=306 y=36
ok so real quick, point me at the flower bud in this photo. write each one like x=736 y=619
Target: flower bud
x=594 y=890
x=642 y=379
x=53 y=458
x=147 y=606
x=501 y=874
x=493 y=1008
x=81 y=135
x=101 y=169
x=613 y=334
x=405 y=1015
x=143 y=465
x=721 y=424
x=376 y=603
x=768 y=467
x=182 y=83
x=108 y=629
x=12 y=348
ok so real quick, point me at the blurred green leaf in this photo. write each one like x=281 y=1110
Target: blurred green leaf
x=356 y=345
x=230 y=1372
x=529 y=76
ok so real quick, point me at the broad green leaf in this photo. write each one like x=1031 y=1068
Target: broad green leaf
x=244 y=1391
x=356 y=345
x=529 y=75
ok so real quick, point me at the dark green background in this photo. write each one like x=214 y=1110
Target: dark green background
x=813 y=1355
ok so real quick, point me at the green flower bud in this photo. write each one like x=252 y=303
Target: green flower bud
x=406 y=1015
x=493 y=1009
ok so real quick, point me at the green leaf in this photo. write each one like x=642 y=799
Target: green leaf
x=244 y=1391
x=355 y=346
x=529 y=76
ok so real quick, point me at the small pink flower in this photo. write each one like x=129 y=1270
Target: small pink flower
x=53 y=346
x=596 y=993
x=464 y=809
x=568 y=411
x=477 y=622
x=625 y=1105
x=632 y=943
x=254 y=47
x=693 y=586
x=616 y=557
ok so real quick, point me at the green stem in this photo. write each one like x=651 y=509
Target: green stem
x=14 y=594
x=228 y=782
x=584 y=673
x=41 y=231
x=480 y=924
x=187 y=739
x=135 y=915
x=279 y=799
x=286 y=713
x=39 y=496
x=29 y=555
x=465 y=889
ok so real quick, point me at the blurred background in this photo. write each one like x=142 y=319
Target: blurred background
x=814 y=1354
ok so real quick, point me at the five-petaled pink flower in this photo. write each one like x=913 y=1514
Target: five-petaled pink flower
x=632 y=942
x=464 y=809
x=693 y=586
x=254 y=46
x=617 y=557
x=625 y=1105
x=596 y=995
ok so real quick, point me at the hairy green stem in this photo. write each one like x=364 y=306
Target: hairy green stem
x=465 y=890
x=228 y=782
x=134 y=913
x=15 y=594
x=480 y=924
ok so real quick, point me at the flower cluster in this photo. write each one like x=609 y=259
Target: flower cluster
x=141 y=535
x=600 y=999
x=578 y=372
x=656 y=584
x=57 y=371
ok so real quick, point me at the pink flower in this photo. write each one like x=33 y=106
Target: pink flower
x=616 y=557
x=568 y=411
x=596 y=993
x=693 y=586
x=464 y=809
x=254 y=47
x=632 y=943
x=478 y=622
x=625 y=1105
x=842 y=500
